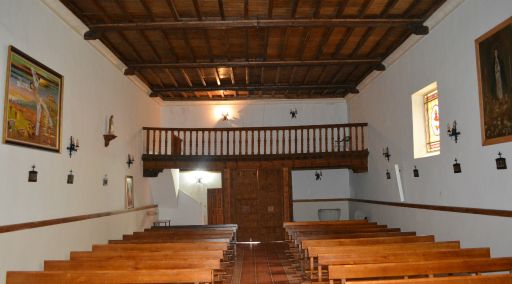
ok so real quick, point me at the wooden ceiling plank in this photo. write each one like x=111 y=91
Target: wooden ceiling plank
x=227 y=45
x=340 y=8
x=389 y=5
x=188 y=45
x=293 y=8
x=364 y=8
x=201 y=75
x=262 y=75
x=284 y=41
x=197 y=8
x=221 y=9
x=171 y=76
x=217 y=77
x=270 y=9
x=206 y=35
x=187 y=78
x=247 y=75
x=342 y=42
x=362 y=41
x=411 y=8
x=246 y=9
x=265 y=45
x=316 y=11
x=307 y=33
x=172 y=7
x=246 y=44
x=232 y=75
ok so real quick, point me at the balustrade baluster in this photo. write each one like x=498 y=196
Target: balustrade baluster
x=357 y=138
x=339 y=139
x=314 y=140
x=277 y=141
x=239 y=142
x=284 y=142
x=147 y=141
x=295 y=133
x=351 y=137
x=264 y=142
x=154 y=141
x=302 y=140
x=326 y=141
x=362 y=138
x=332 y=138
x=165 y=145
x=308 y=140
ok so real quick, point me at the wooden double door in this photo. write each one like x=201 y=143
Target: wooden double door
x=258 y=203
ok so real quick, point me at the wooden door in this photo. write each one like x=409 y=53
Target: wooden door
x=215 y=208
x=258 y=204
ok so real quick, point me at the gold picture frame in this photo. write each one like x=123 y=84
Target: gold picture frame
x=33 y=103
x=494 y=57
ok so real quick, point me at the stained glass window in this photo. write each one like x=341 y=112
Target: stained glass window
x=432 y=126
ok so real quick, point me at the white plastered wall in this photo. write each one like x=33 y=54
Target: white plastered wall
x=93 y=90
x=446 y=55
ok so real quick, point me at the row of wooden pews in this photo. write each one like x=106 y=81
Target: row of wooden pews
x=362 y=252
x=175 y=254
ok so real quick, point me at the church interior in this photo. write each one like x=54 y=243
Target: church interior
x=256 y=141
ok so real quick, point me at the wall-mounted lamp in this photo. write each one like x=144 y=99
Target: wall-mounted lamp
x=388 y=175
x=130 y=160
x=200 y=180
x=415 y=172
x=318 y=175
x=105 y=180
x=225 y=116
x=386 y=154
x=32 y=175
x=73 y=145
x=293 y=113
x=71 y=177
x=456 y=167
x=501 y=163
x=453 y=132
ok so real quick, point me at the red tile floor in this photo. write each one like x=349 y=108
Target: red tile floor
x=264 y=263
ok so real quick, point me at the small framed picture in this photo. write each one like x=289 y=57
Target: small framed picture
x=129 y=202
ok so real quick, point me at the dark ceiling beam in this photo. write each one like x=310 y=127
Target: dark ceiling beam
x=350 y=87
x=134 y=67
x=415 y=25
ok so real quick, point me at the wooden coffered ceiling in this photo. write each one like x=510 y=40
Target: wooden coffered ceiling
x=252 y=49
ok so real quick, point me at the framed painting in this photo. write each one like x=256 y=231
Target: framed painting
x=494 y=62
x=33 y=103
x=128 y=200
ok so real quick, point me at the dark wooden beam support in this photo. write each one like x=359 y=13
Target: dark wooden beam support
x=349 y=87
x=221 y=9
x=268 y=23
x=419 y=29
x=132 y=67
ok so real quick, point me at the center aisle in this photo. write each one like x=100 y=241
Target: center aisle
x=264 y=263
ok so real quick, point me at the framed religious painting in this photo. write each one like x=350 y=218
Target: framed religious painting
x=129 y=202
x=33 y=103
x=494 y=62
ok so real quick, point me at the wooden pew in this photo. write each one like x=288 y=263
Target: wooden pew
x=407 y=269
x=127 y=255
x=161 y=246
x=131 y=264
x=203 y=275
x=166 y=240
x=312 y=223
x=477 y=279
x=407 y=255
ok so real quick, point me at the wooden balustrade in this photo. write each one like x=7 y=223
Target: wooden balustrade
x=255 y=141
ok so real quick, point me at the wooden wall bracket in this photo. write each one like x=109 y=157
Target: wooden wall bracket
x=108 y=138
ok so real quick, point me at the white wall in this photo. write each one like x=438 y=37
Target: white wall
x=446 y=55
x=93 y=90
x=254 y=113
x=334 y=184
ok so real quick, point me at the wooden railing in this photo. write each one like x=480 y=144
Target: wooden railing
x=255 y=141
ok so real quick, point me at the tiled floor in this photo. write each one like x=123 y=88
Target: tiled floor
x=265 y=263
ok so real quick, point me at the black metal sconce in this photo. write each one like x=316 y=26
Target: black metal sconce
x=415 y=172
x=73 y=146
x=386 y=154
x=200 y=180
x=293 y=113
x=318 y=175
x=105 y=180
x=501 y=163
x=388 y=175
x=71 y=177
x=32 y=175
x=453 y=132
x=225 y=116
x=456 y=167
x=130 y=160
